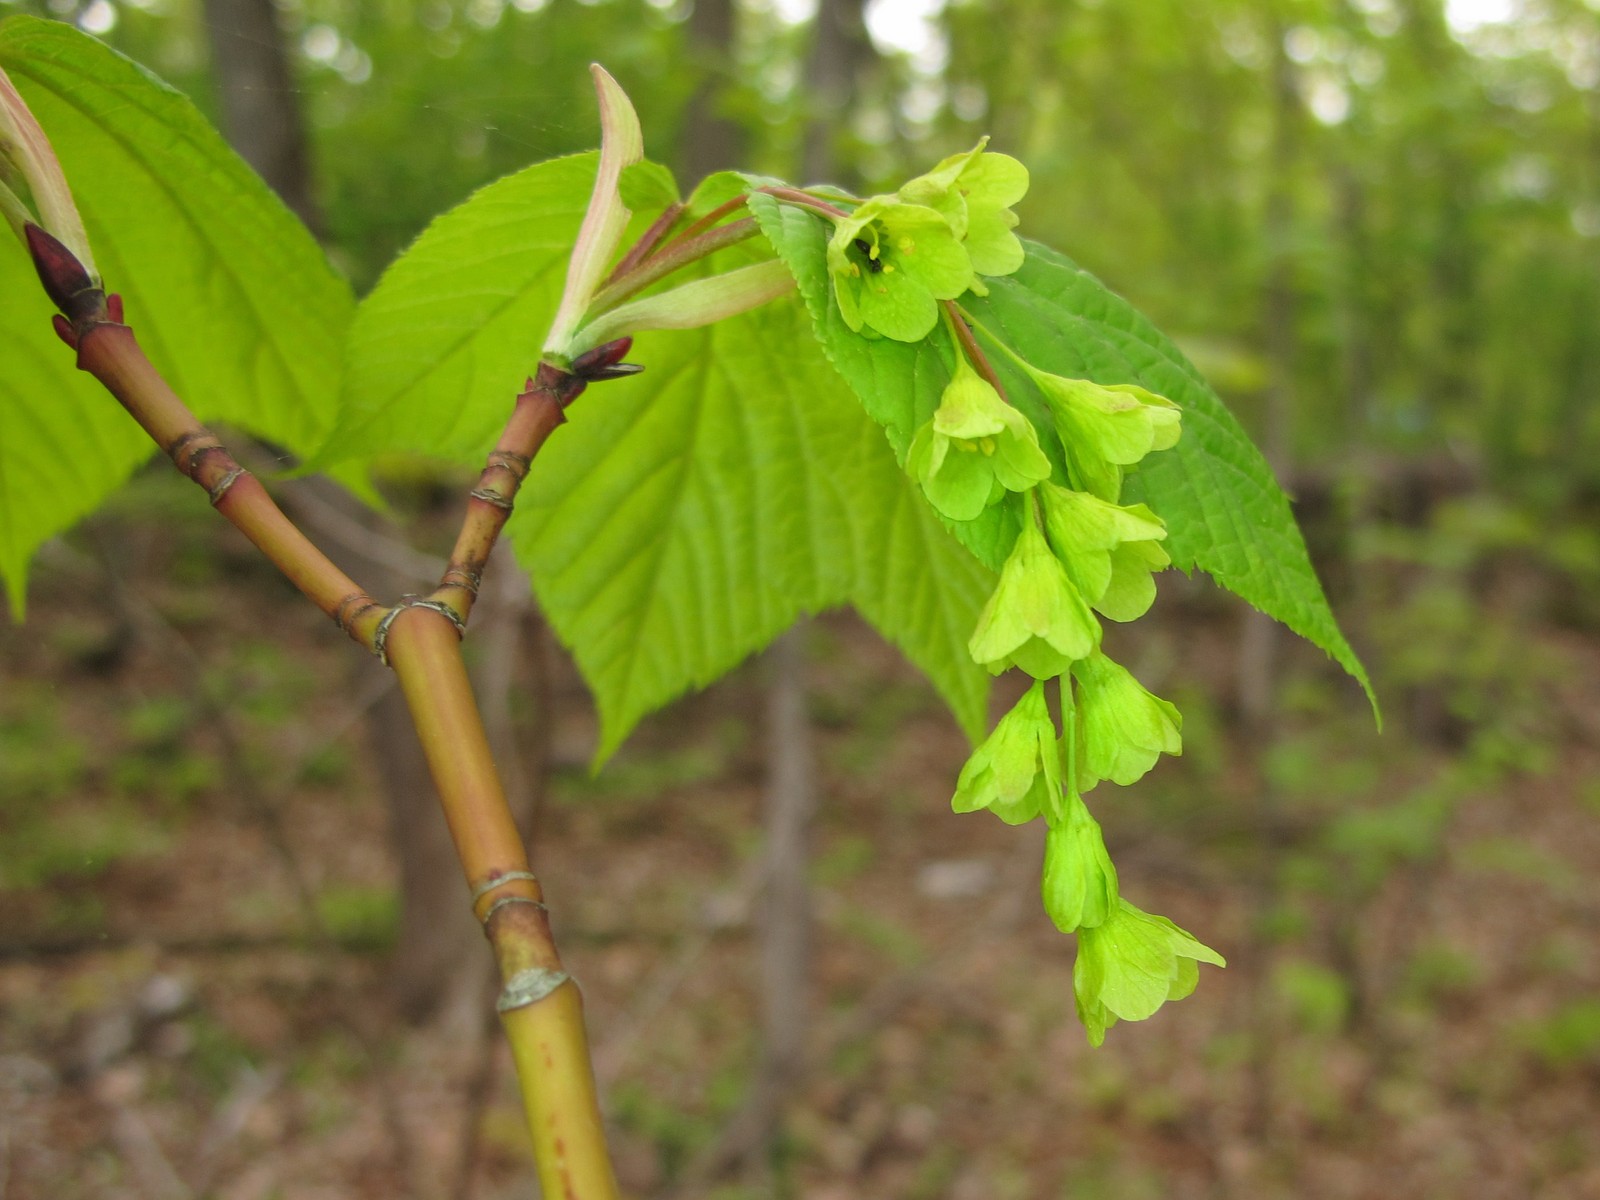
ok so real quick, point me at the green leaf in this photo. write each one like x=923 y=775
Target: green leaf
x=1224 y=511
x=898 y=383
x=682 y=518
x=441 y=346
x=229 y=294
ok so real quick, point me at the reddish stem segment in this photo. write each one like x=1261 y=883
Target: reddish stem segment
x=805 y=200
x=659 y=228
x=724 y=209
x=538 y=411
x=980 y=360
x=108 y=351
x=679 y=254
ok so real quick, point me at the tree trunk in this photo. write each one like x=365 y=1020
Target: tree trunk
x=260 y=108
x=1258 y=649
x=840 y=52
x=712 y=141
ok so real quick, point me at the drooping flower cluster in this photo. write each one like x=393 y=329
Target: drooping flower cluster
x=1080 y=555
x=896 y=256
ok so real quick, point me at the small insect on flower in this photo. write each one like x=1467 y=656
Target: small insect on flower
x=874 y=266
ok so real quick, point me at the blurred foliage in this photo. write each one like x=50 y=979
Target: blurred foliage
x=1438 y=180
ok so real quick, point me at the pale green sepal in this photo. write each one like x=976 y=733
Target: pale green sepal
x=621 y=146
x=1035 y=619
x=992 y=184
x=960 y=484
x=1079 y=885
x=974 y=192
x=1016 y=772
x=690 y=305
x=991 y=245
x=1131 y=965
x=1105 y=430
x=1131 y=589
x=1092 y=536
x=1165 y=416
x=934 y=188
x=1125 y=728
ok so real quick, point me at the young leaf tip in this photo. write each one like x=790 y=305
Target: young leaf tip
x=30 y=172
x=621 y=146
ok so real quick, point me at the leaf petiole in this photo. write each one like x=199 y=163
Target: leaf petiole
x=663 y=263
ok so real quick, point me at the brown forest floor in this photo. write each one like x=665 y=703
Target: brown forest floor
x=1412 y=1006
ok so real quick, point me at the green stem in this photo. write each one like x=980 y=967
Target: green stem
x=540 y=1007
x=960 y=328
x=1069 y=733
x=804 y=200
x=972 y=323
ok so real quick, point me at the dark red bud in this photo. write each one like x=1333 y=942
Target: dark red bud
x=65 y=279
x=588 y=364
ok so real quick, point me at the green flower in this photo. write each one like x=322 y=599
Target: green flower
x=975 y=447
x=1079 y=886
x=1125 y=728
x=1035 y=619
x=891 y=264
x=1106 y=429
x=1016 y=772
x=1108 y=550
x=974 y=193
x=1130 y=966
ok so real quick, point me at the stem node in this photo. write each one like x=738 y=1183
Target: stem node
x=529 y=987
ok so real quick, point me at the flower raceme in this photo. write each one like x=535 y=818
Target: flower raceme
x=892 y=261
x=974 y=449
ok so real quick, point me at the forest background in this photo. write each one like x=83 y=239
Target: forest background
x=234 y=960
